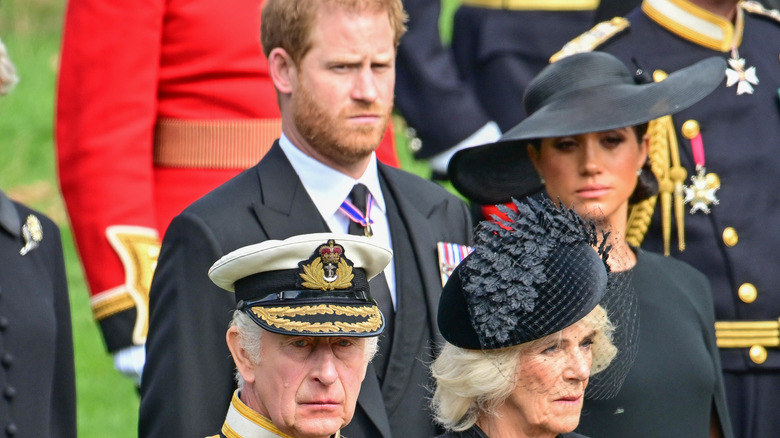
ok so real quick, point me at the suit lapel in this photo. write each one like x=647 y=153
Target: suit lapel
x=419 y=218
x=284 y=208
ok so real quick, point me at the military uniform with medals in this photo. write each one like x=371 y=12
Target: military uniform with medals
x=718 y=165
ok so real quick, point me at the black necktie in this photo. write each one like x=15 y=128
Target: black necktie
x=380 y=292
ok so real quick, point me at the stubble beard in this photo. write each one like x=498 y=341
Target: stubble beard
x=328 y=135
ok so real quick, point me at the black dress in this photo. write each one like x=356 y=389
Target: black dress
x=675 y=382
x=37 y=377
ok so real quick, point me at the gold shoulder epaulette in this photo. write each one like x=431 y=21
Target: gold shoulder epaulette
x=596 y=36
x=755 y=7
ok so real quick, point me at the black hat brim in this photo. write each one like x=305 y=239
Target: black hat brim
x=496 y=172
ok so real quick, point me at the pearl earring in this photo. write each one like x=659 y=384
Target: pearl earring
x=541 y=179
x=639 y=172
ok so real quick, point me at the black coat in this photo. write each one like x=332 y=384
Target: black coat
x=188 y=377
x=37 y=376
x=675 y=382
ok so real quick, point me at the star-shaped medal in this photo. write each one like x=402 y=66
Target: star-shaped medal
x=701 y=193
x=744 y=78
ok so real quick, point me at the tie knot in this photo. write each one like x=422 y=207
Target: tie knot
x=358 y=196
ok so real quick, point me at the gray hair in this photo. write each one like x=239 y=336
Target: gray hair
x=250 y=336
x=8 y=77
x=472 y=383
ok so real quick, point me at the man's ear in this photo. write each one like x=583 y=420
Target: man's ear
x=244 y=364
x=282 y=70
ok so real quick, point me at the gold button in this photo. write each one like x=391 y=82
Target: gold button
x=758 y=354
x=730 y=236
x=690 y=129
x=659 y=75
x=747 y=293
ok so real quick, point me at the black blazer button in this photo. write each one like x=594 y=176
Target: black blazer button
x=11 y=430
x=7 y=360
x=9 y=393
x=3 y=323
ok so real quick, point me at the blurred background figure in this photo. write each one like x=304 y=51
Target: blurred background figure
x=158 y=103
x=714 y=162
x=584 y=144
x=527 y=342
x=467 y=94
x=36 y=343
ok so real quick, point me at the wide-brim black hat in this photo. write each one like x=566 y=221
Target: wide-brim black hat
x=585 y=92
x=310 y=285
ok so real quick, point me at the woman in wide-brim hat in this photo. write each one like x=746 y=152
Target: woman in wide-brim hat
x=584 y=145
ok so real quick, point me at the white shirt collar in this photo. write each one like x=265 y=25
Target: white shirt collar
x=327 y=187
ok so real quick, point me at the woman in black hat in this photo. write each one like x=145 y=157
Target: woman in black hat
x=525 y=320
x=584 y=144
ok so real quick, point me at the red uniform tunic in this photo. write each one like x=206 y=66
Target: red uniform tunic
x=158 y=103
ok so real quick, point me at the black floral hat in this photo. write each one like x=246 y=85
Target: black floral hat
x=534 y=274
x=313 y=284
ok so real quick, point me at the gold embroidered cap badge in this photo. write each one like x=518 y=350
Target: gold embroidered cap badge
x=329 y=270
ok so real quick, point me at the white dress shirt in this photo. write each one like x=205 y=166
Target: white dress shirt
x=328 y=188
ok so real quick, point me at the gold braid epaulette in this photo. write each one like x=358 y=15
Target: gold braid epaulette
x=664 y=157
x=590 y=40
x=757 y=8
x=639 y=217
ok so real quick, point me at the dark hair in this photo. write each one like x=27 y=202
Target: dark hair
x=646 y=184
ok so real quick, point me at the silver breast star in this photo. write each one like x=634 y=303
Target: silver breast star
x=701 y=193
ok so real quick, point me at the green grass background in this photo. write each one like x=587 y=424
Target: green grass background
x=31 y=29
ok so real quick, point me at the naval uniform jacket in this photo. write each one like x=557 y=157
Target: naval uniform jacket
x=188 y=378
x=737 y=245
x=37 y=376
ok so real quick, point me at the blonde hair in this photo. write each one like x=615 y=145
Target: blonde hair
x=471 y=383
x=287 y=24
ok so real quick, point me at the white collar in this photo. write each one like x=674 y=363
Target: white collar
x=242 y=422
x=695 y=24
x=327 y=187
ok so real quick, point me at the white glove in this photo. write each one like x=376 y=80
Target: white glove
x=486 y=134
x=130 y=362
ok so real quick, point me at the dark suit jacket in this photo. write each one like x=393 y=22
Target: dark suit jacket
x=188 y=377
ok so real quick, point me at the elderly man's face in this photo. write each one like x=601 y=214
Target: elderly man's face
x=308 y=386
x=343 y=94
